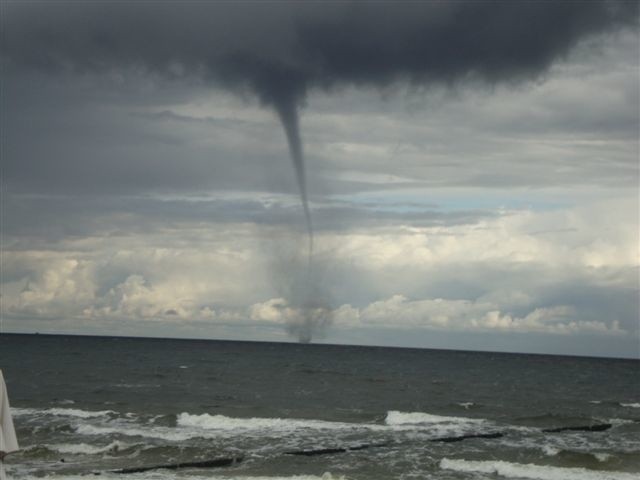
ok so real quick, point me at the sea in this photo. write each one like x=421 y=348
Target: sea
x=97 y=407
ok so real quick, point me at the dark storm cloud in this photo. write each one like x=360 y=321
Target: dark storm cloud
x=276 y=50
x=281 y=49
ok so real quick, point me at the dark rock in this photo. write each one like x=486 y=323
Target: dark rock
x=586 y=428
x=219 y=462
x=319 y=451
x=464 y=437
x=331 y=451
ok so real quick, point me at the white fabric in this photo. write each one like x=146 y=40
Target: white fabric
x=8 y=440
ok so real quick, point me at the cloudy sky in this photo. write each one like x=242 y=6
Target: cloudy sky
x=471 y=171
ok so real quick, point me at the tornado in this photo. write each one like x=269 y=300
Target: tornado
x=287 y=111
x=312 y=315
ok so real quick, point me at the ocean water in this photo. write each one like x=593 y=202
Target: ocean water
x=88 y=405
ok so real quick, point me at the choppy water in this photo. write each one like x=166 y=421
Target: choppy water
x=102 y=404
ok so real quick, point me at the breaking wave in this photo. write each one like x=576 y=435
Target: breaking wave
x=531 y=471
x=62 y=412
x=163 y=433
x=224 y=423
x=85 y=449
x=220 y=426
x=418 y=418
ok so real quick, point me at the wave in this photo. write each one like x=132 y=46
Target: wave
x=394 y=420
x=601 y=457
x=17 y=412
x=62 y=412
x=86 y=449
x=531 y=471
x=616 y=404
x=551 y=421
x=162 y=433
x=550 y=451
x=616 y=422
x=418 y=418
x=224 y=423
x=554 y=451
x=220 y=426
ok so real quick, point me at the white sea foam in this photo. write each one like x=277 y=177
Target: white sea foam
x=602 y=457
x=630 y=405
x=418 y=418
x=224 y=423
x=394 y=421
x=61 y=412
x=220 y=426
x=616 y=422
x=85 y=449
x=74 y=412
x=550 y=451
x=163 y=433
x=531 y=471
x=17 y=412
